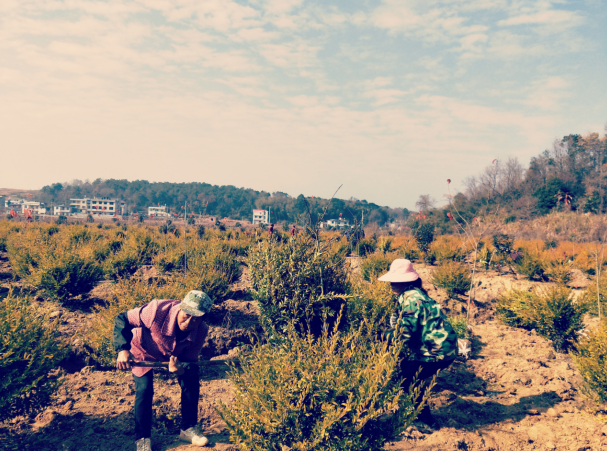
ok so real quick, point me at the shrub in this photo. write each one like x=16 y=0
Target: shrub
x=509 y=219
x=530 y=266
x=61 y=219
x=557 y=271
x=318 y=394
x=454 y=277
x=61 y=265
x=503 y=244
x=424 y=235
x=384 y=245
x=365 y=247
x=590 y=299
x=460 y=326
x=375 y=265
x=590 y=356
x=552 y=312
x=30 y=349
x=200 y=231
x=551 y=244
x=297 y=282
x=447 y=249
x=370 y=306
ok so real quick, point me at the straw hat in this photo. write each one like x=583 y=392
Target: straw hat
x=401 y=270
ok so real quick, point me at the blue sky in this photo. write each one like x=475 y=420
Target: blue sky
x=388 y=97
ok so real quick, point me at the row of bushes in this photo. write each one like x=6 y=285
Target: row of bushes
x=554 y=314
x=66 y=261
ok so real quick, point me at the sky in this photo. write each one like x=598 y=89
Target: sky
x=389 y=98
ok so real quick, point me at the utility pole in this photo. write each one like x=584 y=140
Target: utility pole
x=185 y=237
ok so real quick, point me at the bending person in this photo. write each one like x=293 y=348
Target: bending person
x=423 y=326
x=159 y=331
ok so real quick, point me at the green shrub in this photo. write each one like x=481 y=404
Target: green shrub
x=61 y=219
x=503 y=244
x=324 y=394
x=513 y=308
x=384 y=245
x=453 y=277
x=424 y=235
x=297 y=282
x=509 y=219
x=590 y=356
x=460 y=326
x=375 y=265
x=365 y=247
x=370 y=306
x=590 y=299
x=552 y=312
x=29 y=350
x=551 y=244
x=530 y=266
x=61 y=265
x=557 y=271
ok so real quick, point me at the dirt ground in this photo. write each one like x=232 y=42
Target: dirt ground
x=515 y=393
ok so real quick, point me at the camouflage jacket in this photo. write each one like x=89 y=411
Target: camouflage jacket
x=425 y=328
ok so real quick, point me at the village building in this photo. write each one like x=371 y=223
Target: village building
x=95 y=206
x=59 y=210
x=37 y=208
x=158 y=211
x=261 y=217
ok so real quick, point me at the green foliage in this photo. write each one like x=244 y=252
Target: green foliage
x=375 y=265
x=61 y=265
x=200 y=231
x=460 y=326
x=590 y=299
x=384 y=245
x=509 y=219
x=297 y=282
x=61 y=219
x=552 y=312
x=590 y=356
x=370 y=306
x=503 y=244
x=530 y=266
x=557 y=271
x=424 y=235
x=29 y=350
x=550 y=244
x=454 y=277
x=365 y=247
x=324 y=394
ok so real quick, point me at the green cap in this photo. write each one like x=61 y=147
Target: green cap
x=196 y=303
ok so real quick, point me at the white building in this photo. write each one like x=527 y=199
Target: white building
x=37 y=208
x=95 y=206
x=13 y=203
x=339 y=222
x=158 y=212
x=261 y=217
x=59 y=210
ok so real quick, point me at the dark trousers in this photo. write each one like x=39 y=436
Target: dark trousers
x=144 y=395
x=408 y=370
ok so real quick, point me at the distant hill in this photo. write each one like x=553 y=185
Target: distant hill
x=222 y=201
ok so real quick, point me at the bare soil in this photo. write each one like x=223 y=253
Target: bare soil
x=515 y=393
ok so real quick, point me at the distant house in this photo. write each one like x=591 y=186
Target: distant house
x=339 y=222
x=59 y=210
x=95 y=206
x=260 y=217
x=37 y=208
x=158 y=212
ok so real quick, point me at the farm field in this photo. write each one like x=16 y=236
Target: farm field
x=515 y=391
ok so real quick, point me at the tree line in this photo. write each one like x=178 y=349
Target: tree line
x=221 y=201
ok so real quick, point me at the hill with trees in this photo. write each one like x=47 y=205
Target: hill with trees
x=222 y=201
x=571 y=176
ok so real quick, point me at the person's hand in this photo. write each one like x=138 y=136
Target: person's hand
x=123 y=362
x=175 y=366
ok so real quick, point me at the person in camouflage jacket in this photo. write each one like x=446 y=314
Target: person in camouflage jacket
x=423 y=326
